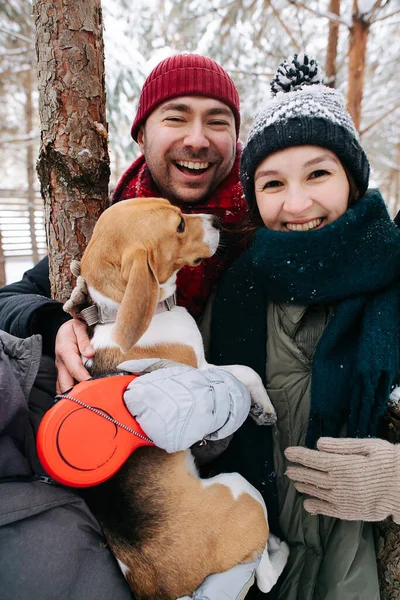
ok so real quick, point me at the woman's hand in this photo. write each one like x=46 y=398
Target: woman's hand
x=72 y=341
x=351 y=479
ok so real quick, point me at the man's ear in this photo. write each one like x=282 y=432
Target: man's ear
x=140 y=138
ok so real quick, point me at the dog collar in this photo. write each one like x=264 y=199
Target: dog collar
x=97 y=314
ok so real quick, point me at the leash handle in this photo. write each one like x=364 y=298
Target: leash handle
x=103 y=414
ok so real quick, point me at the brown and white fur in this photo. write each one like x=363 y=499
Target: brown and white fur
x=168 y=528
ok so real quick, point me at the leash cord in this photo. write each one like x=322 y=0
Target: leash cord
x=102 y=414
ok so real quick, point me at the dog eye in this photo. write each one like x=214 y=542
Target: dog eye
x=181 y=226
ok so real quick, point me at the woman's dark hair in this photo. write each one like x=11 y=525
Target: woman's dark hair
x=354 y=193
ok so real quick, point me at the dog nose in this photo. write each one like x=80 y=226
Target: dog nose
x=215 y=222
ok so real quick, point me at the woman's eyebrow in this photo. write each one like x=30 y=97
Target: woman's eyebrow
x=319 y=159
x=312 y=161
x=264 y=173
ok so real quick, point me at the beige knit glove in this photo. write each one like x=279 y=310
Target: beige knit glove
x=351 y=479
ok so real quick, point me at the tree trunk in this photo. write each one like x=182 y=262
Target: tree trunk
x=73 y=162
x=357 y=56
x=331 y=50
x=387 y=533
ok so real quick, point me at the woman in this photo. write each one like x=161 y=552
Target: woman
x=313 y=306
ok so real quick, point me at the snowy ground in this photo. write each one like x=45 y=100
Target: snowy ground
x=16 y=267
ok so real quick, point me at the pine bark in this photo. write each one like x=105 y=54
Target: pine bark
x=357 y=58
x=387 y=533
x=73 y=164
x=332 y=47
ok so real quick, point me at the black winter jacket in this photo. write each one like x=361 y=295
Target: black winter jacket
x=51 y=546
x=27 y=308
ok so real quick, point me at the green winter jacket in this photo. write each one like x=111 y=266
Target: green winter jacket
x=329 y=559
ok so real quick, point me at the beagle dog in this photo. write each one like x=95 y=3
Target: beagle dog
x=168 y=528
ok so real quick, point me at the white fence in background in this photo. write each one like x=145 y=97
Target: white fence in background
x=22 y=230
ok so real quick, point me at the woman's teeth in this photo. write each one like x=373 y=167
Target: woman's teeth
x=197 y=166
x=304 y=226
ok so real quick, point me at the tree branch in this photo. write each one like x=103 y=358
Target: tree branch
x=377 y=5
x=15 y=70
x=379 y=119
x=395 y=12
x=251 y=73
x=16 y=51
x=327 y=15
x=18 y=36
x=282 y=24
x=21 y=139
x=211 y=10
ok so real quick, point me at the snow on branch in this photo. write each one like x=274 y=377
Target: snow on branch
x=379 y=119
x=20 y=139
x=368 y=7
x=395 y=12
x=326 y=15
x=17 y=51
x=18 y=36
x=215 y=9
x=284 y=27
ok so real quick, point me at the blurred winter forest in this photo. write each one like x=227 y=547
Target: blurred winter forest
x=248 y=37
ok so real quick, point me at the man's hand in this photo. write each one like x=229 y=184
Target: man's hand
x=351 y=479
x=72 y=341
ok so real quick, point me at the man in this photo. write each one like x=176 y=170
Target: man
x=187 y=126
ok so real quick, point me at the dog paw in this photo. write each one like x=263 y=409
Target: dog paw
x=273 y=561
x=78 y=299
x=261 y=417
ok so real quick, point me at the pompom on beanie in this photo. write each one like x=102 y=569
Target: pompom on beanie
x=186 y=75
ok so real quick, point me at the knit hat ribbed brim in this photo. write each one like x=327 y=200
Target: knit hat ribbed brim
x=303 y=112
x=186 y=75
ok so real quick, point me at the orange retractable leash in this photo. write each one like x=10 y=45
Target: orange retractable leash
x=87 y=436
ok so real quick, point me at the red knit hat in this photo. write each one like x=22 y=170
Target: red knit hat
x=186 y=75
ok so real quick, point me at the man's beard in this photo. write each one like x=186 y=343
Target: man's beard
x=176 y=197
x=176 y=194
x=171 y=191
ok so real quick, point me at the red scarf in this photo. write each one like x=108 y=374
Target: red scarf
x=194 y=284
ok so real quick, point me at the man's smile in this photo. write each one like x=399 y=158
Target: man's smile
x=190 y=167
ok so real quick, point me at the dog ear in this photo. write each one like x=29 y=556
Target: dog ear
x=138 y=303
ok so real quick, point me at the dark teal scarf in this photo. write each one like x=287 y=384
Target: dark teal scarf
x=354 y=264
